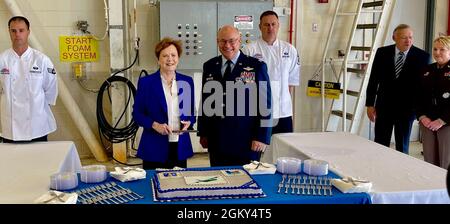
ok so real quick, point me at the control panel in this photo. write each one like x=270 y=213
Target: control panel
x=196 y=23
x=192 y=39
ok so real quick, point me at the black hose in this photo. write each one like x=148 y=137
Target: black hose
x=110 y=133
x=107 y=131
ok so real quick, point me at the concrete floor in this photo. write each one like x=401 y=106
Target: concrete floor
x=202 y=159
x=415 y=150
x=198 y=160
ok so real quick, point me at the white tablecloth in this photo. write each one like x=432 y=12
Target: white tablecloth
x=397 y=178
x=25 y=169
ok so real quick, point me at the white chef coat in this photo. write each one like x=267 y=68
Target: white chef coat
x=283 y=66
x=28 y=86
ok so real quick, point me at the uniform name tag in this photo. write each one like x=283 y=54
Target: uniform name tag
x=4 y=71
x=35 y=70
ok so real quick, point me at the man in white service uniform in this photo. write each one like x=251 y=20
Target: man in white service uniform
x=283 y=66
x=28 y=86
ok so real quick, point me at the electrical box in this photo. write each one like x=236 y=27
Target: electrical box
x=195 y=23
x=244 y=15
x=79 y=70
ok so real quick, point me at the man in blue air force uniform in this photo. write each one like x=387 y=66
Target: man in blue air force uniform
x=235 y=121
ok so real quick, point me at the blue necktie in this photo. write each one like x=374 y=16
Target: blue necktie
x=399 y=64
x=228 y=69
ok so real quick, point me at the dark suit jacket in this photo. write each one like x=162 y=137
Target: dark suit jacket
x=150 y=105
x=434 y=100
x=232 y=134
x=388 y=94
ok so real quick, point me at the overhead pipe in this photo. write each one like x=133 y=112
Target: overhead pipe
x=291 y=21
x=293 y=9
x=430 y=25
x=67 y=99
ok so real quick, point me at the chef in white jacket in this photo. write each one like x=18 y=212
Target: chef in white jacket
x=283 y=66
x=28 y=88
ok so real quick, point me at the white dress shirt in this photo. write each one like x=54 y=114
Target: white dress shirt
x=28 y=86
x=283 y=67
x=233 y=63
x=173 y=110
x=397 y=55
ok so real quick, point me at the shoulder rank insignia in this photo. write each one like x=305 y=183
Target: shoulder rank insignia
x=51 y=71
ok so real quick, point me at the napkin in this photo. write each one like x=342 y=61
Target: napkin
x=125 y=174
x=352 y=185
x=256 y=168
x=57 y=197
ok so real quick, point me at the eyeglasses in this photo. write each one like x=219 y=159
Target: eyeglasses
x=230 y=41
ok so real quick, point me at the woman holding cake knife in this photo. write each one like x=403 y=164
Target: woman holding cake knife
x=164 y=107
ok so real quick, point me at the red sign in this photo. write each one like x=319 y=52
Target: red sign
x=243 y=18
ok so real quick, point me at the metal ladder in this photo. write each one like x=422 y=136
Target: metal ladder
x=368 y=32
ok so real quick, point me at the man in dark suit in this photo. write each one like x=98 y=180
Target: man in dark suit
x=235 y=121
x=392 y=88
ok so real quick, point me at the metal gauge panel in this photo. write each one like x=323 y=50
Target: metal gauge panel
x=195 y=24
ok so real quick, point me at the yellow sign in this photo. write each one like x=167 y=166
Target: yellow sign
x=78 y=49
x=332 y=89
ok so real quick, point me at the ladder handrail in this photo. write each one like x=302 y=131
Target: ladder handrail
x=376 y=39
x=345 y=62
x=324 y=58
